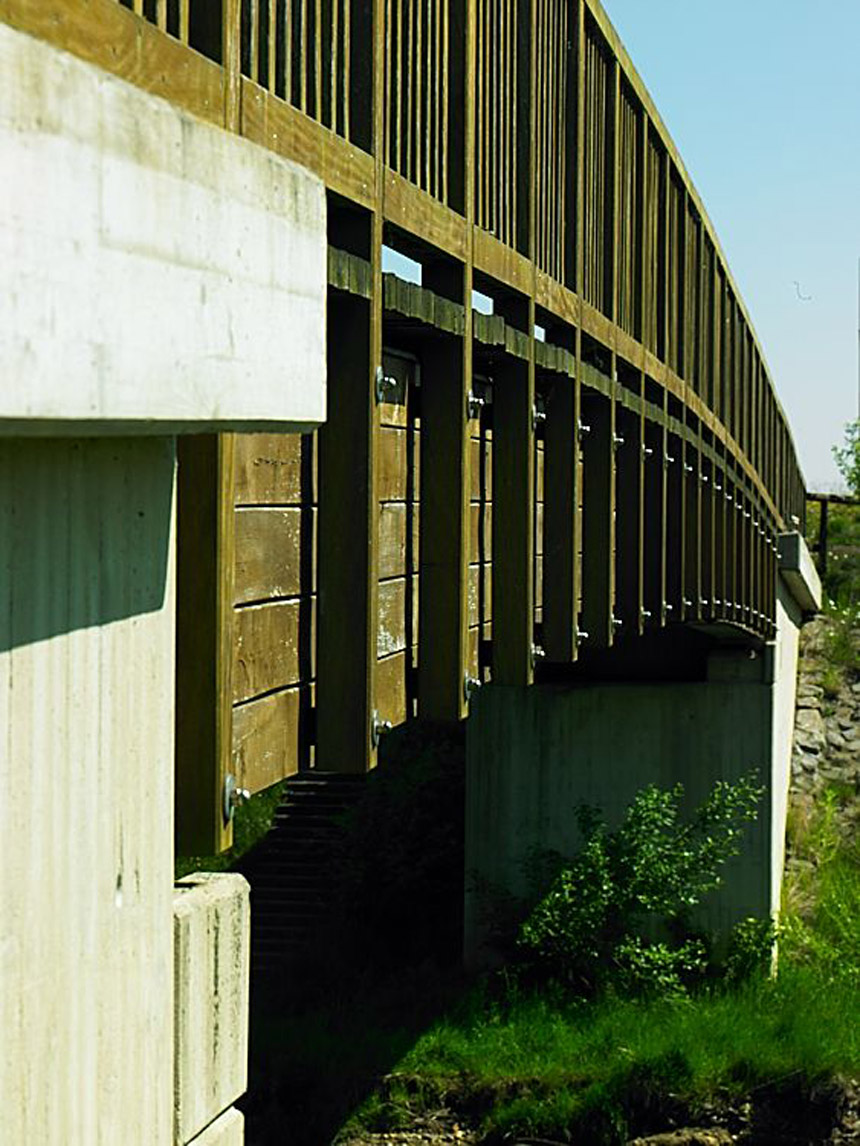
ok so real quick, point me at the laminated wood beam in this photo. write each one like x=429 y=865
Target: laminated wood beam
x=654 y=594
x=513 y=521
x=348 y=541
x=204 y=641
x=628 y=520
x=598 y=540
x=692 y=509
x=676 y=539
x=561 y=520
x=445 y=529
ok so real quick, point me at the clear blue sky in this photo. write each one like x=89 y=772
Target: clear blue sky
x=762 y=98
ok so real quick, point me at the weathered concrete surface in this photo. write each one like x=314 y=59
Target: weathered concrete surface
x=211 y=956
x=534 y=754
x=798 y=571
x=177 y=273
x=86 y=815
x=228 y=1130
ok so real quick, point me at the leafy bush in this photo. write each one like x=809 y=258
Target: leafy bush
x=848 y=457
x=614 y=915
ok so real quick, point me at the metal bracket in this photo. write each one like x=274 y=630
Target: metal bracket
x=617 y=623
x=668 y=460
x=644 y=614
x=385 y=383
x=232 y=797
x=617 y=441
x=538 y=416
x=581 y=636
x=538 y=654
x=378 y=728
x=471 y=684
x=647 y=451
x=474 y=405
x=583 y=430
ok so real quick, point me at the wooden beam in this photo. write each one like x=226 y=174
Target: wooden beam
x=598 y=541
x=445 y=526
x=513 y=521
x=348 y=541
x=561 y=511
x=204 y=641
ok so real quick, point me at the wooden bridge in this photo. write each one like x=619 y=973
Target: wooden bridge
x=584 y=454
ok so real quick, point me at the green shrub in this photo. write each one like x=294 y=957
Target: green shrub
x=614 y=915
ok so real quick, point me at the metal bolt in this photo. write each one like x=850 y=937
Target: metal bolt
x=474 y=405
x=471 y=684
x=583 y=429
x=617 y=441
x=538 y=654
x=538 y=417
x=233 y=797
x=385 y=383
x=378 y=728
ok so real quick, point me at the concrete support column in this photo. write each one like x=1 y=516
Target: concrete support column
x=535 y=754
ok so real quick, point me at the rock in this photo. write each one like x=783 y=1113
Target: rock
x=716 y=1137
x=835 y=738
x=809 y=721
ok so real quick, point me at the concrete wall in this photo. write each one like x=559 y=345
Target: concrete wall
x=86 y=812
x=211 y=961
x=534 y=754
x=177 y=272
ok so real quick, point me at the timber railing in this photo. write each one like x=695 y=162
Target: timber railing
x=601 y=456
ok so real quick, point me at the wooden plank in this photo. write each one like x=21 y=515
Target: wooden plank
x=268 y=554
x=513 y=511
x=267 y=739
x=204 y=641
x=421 y=215
x=393 y=634
x=395 y=518
x=392 y=691
x=269 y=469
x=274 y=646
x=348 y=543
x=693 y=525
x=394 y=476
x=106 y=34
x=274 y=124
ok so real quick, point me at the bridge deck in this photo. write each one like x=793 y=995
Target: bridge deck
x=631 y=466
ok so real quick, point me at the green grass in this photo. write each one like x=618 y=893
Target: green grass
x=541 y=1064
x=250 y=824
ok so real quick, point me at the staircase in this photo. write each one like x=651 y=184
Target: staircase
x=292 y=884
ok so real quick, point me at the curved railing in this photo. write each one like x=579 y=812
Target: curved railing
x=600 y=458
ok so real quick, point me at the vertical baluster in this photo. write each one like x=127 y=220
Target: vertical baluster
x=437 y=90
x=138 y=7
x=399 y=43
x=445 y=103
x=273 y=45
x=333 y=72
x=255 y=39
x=183 y=20
x=428 y=93
x=420 y=141
x=318 y=60
x=287 y=33
x=410 y=80
x=515 y=73
x=347 y=85
x=502 y=51
x=303 y=54
x=161 y=15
